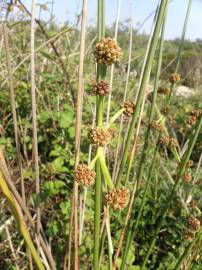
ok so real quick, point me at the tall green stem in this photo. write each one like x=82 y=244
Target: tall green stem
x=101 y=70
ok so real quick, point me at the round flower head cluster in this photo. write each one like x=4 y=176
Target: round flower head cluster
x=189 y=236
x=196 y=113
x=190 y=163
x=163 y=90
x=168 y=141
x=129 y=107
x=117 y=198
x=100 y=136
x=174 y=78
x=165 y=111
x=157 y=126
x=187 y=177
x=101 y=88
x=84 y=176
x=107 y=51
x=191 y=120
x=193 y=224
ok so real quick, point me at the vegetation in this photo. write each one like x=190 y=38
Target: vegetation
x=100 y=144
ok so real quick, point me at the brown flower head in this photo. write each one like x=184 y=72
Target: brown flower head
x=190 y=163
x=187 y=177
x=193 y=204
x=117 y=198
x=101 y=88
x=107 y=51
x=193 y=224
x=129 y=107
x=174 y=78
x=157 y=126
x=163 y=90
x=165 y=111
x=173 y=142
x=165 y=140
x=191 y=120
x=189 y=236
x=196 y=113
x=84 y=176
x=100 y=136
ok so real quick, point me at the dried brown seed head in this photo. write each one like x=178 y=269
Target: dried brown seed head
x=163 y=90
x=186 y=177
x=165 y=140
x=101 y=88
x=157 y=126
x=100 y=136
x=117 y=198
x=193 y=224
x=191 y=120
x=165 y=111
x=196 y=113
x=189 y=236
x=190 y=163
x=129 y=107
x=173 y=142
x=107 y=51
x=174 y=78
x=84 y=176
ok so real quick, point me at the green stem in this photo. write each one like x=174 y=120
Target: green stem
x=101 y=71
x=144 y=82
x=170 y=198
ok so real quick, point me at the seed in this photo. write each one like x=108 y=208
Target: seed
x=84 y=176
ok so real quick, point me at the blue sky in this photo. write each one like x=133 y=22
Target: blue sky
x=67 y=10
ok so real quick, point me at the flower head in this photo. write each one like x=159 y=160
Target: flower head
x=117 y=198
x=107 y=51
x=101 y=88
x=84 y=176
x=100 y=136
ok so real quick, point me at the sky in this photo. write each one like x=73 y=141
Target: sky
x=68 y=9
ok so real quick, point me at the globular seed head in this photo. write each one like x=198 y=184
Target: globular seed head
x=191 y=120
x=129 y=107
x=186 y=177
x=84 y=176
x=193 y=204
x=165 y=140
x=165 y=111
x=190 y=163
x=196 y=113
x=100 y=136
x=174 y=78
x=193 y=224
x=117 y=198
x=107 y=51
x=101 y=88
x=163 y=90
x=189 y=236
x=173 y=142
x=157 y=126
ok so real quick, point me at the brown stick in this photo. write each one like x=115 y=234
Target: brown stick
x=13 y=106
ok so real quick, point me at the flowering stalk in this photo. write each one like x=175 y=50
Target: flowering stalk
x=101 y=70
